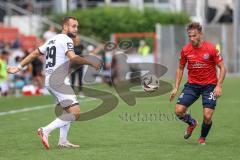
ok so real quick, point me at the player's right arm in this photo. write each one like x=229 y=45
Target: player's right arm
x=179 y=75
x=81 y=60
x=24 y=62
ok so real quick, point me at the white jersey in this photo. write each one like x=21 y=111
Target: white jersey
x=55 y=50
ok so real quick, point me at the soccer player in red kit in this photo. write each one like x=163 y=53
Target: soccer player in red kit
x=201 y=58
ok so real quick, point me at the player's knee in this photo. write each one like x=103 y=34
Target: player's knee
x=207 y=119
x=179 y=110
x=77 y=116
x=178 y=113
x=75 y=110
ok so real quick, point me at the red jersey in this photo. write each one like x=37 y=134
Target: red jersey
x=202 y=63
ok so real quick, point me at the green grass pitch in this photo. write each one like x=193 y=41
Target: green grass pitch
x=128 y=133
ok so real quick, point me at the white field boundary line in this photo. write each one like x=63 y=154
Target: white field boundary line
x=28 y=109
x=33 y=108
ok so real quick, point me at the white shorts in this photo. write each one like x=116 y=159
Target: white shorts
x=3 y=87
x=64 y=99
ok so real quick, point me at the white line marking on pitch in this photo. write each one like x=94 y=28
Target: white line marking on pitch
x=52 y=105
x=33 y=108
x=25 y=109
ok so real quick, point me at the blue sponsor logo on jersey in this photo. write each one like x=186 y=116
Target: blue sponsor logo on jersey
x=206 y=56
x=70 y=46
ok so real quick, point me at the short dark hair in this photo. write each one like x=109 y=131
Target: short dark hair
x=194 y=25
x=66 y=19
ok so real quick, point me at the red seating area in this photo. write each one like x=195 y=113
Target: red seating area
x=28 y=42
x=8 y=34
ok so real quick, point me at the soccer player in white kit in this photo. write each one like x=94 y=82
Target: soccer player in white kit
x=58 y=51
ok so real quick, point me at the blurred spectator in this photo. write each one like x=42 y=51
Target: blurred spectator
x=143 y=48
x=14 y=54
x=227 y=16
x=3 y=73
x=23 y=78
x=78 y=49
x=28 y=6
x=218 y=47
x=102 y=54
x=114 y=69
x=49 y=33
x=106 y=58
x=18 y=79
x=16 y=43
x=91 y=50
x=37 y=76
x=2 y=44
x=2 y=14
x=7 y=46
x=27 y=72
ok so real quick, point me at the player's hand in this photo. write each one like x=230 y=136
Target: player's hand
x=12 y=70
x=217 y=91
x=97 y=66
x=173 y=94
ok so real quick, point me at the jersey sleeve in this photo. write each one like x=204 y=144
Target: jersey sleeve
x=42 y=49
x=217 y=56
x=182 y=58
x=67 y=44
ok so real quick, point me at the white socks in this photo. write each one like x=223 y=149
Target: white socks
x=63 y=133
x=57 y=123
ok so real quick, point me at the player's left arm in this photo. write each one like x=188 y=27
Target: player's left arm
x=81 y=60
x=33 y=55
x=218 y=88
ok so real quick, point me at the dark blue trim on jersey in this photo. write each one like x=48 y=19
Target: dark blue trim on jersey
x=40 y=52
